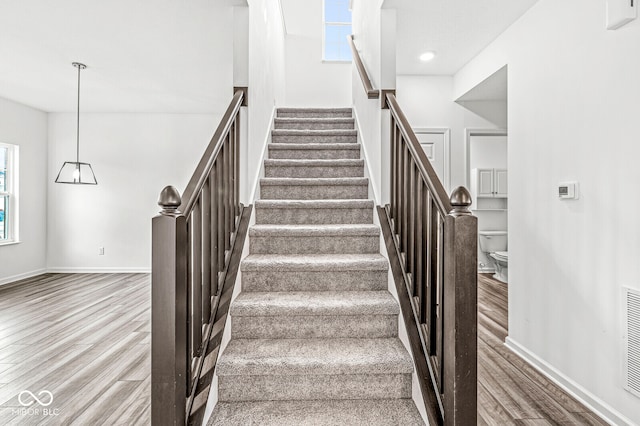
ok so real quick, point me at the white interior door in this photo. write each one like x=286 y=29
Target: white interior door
x=434 y=144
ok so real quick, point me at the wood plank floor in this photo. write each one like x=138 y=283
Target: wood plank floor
x=510 y=391
x=86 y=339
x=83 y=337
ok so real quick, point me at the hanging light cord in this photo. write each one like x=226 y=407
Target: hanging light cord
x=78 y=119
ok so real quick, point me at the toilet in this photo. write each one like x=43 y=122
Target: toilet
x=494 y=245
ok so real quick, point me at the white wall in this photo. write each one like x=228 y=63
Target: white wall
x=134 y=156
x=573 y=114
x=310 y=81
x=428 y=101
x=27 y=128
x=266 y=82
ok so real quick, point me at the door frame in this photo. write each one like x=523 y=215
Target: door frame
x=468 y=133
x=446 y=132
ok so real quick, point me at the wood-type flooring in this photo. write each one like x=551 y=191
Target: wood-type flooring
x=85 y=338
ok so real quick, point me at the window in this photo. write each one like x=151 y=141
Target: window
x=337 y=26
x=8 y=193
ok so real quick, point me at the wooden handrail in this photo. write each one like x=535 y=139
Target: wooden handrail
x=366 y=81
x=211 y=153
x=192 y=241
x=422 y=162
x=434 y=261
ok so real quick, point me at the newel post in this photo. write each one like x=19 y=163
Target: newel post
x=168 y=312
x=460 y=311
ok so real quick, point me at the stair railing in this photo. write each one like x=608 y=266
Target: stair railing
x=431 y=239
x=192 y=239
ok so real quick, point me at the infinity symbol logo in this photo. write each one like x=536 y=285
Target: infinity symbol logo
x=41 y=394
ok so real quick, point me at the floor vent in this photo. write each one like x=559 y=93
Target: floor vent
x=632 y=333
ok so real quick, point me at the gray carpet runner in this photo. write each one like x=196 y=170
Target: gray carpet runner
x=314 y=332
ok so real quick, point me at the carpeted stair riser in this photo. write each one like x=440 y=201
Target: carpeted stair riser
x=314 y=327
x=305 y=315
x=314 y=113
x=313 y=189
x=314 y=123
x=314 y=212
x=306 y=151
x=313 y=280
x=314 y=136
x=380 y=412
x=313 y=387
x=319 y=239
x=314 y=168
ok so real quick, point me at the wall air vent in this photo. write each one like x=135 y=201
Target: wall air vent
x=632 y=340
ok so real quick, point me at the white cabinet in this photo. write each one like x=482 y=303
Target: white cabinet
x=489 y=189
x=489 y=183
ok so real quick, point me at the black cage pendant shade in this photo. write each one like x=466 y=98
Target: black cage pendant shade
x=76 y=172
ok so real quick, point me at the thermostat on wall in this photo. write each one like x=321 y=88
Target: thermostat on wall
x=568 y=190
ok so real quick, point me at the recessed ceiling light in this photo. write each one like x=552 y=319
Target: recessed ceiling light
x=427 y=56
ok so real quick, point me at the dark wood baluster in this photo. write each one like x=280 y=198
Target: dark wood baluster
x=411 y=220
x=419 y=239
x=401 y=163
x=392 y=159
x=439 y=258
x=236 y=140
x=206 y=251
x=428 y=303
x=232 y=183
x=406 y=195
x=220 y=216
x=214 y=228
x=226 y=184
x=196 y=274
x=189 y=290
x=396 y=181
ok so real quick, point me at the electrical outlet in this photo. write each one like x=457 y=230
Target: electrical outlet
x=101 y=251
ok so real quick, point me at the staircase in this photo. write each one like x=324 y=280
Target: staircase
x=314 y=331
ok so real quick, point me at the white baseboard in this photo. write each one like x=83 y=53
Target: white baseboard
x=255 y=193
x=22 y=276
x=367 y=169
x=99 y=270
x=592 y=402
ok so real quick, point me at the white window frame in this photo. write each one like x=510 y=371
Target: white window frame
x=11 y=183
x=324 y=36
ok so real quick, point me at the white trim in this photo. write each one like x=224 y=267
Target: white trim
x=265 y=150
x=284 y=25
x=446 y=132
x=468 y=132
x=585 y=397
x=98 y=270
x=376 y=194
x=12 y=186
x=25 y=275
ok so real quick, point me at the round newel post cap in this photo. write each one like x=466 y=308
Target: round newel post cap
x=460 y=201
x=169 y=200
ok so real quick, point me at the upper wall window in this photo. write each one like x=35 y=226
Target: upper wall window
x=8 y=193
x=337 y=26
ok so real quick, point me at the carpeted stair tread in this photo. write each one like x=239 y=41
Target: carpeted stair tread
x=308 y=132
x=307 y=303
x=314 y=230
x=314 y=204
x=281 y=357
x=314 y=112
x=350 y=181
x=314 y=123
x=315 y=262
x=314 y=146
x=372 y=412
x=302 y=162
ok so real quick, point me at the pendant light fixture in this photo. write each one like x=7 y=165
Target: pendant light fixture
x=75 y=172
